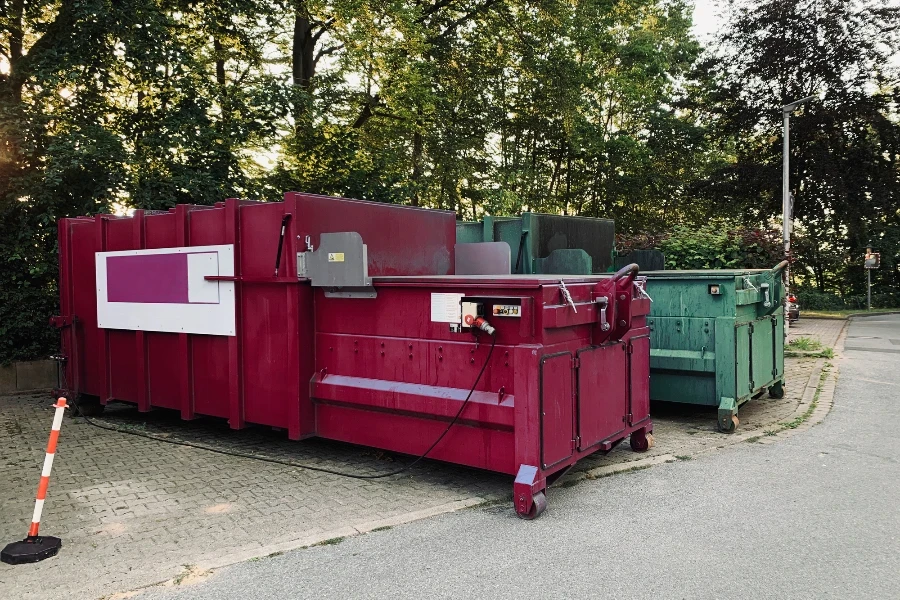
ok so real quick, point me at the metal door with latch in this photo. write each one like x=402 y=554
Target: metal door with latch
x=762 y=351
x=638 y=380
x=602 y=393
x=557 y=409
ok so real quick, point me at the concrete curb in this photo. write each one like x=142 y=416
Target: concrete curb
x=874 y=314
x=819 y=391
x=203 y=569
x=634 y=465
x=855 y=316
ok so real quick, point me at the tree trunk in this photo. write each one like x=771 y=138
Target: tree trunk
x=223 y=162
x=418 y=151
x=220 y=63
x=16 y=37
x=302 y=64
x=54 y=39
x=568 y=180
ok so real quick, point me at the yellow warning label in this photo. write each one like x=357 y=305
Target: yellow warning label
x=335 y=257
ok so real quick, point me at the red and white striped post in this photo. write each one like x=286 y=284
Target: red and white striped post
x=34 y=547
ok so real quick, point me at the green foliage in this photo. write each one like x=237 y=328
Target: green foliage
x=712 y=246
x=845 y=143
x=805 y=344
x=606 y=108
x=478 y=106
x=812 y=299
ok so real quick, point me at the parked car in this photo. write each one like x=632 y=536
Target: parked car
x=793 y=309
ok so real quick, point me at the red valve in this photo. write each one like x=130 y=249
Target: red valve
x=480 y=323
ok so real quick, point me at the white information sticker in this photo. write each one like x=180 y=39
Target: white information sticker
x=445 y=308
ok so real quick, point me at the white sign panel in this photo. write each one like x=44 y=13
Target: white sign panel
x=166 y=289
x=445 y=308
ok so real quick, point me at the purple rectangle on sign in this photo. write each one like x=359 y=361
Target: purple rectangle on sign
x=147 y=278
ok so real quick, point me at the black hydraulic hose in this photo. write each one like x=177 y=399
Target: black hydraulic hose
x=302 y=466
x=631 y=269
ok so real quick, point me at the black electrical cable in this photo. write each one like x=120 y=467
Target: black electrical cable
x=298 y=465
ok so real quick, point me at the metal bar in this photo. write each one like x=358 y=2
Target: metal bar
x=251 y=279
x=185 y=389
x=140 y=338
x=69 y=335
x=293 y=324
x=869 y=289
x=786 y=207
x=521 y=251
x=235 y=358
x=284 y=222
x=105 y=390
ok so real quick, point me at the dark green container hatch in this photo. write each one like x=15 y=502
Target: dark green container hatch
x=716 y=337
x=548 y=244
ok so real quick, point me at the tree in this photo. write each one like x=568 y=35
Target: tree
x=477 y=106
x=845 y=145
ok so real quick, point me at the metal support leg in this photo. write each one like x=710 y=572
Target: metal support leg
x=728 y=420
x=528 y=493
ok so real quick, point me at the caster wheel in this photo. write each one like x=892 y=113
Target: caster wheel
x=730 y=425
x=641 y=443
x=777 y=391
x=537 y=507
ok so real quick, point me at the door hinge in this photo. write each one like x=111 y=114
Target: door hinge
x=630 y=348
x=576 y=362
x=750 y=328
x=575 y=442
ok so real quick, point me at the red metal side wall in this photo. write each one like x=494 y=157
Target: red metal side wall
x=262 y=374
x=400 y=241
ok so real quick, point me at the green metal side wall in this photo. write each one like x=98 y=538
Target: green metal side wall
x=706 y=347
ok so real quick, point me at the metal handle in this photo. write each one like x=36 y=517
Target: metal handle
x=765 y=289
x=603 y=301
x=631 y=269
x=780 y=266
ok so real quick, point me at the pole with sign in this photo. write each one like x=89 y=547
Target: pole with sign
x=873 y=261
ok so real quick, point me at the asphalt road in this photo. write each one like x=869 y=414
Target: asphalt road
x=816 y=515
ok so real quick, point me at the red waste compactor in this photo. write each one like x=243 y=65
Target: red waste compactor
x=342 y=319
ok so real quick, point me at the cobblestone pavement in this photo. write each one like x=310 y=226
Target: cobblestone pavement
x=825 y=330
x=133 y=511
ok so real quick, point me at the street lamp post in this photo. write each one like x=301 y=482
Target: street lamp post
x=786 y=208
x=869 y=280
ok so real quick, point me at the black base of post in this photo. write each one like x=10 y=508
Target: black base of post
x=31 y=549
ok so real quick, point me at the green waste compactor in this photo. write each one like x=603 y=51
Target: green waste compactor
x=716 y=337
x=547 y=244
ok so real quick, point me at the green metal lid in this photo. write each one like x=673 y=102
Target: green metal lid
x=719 y=273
